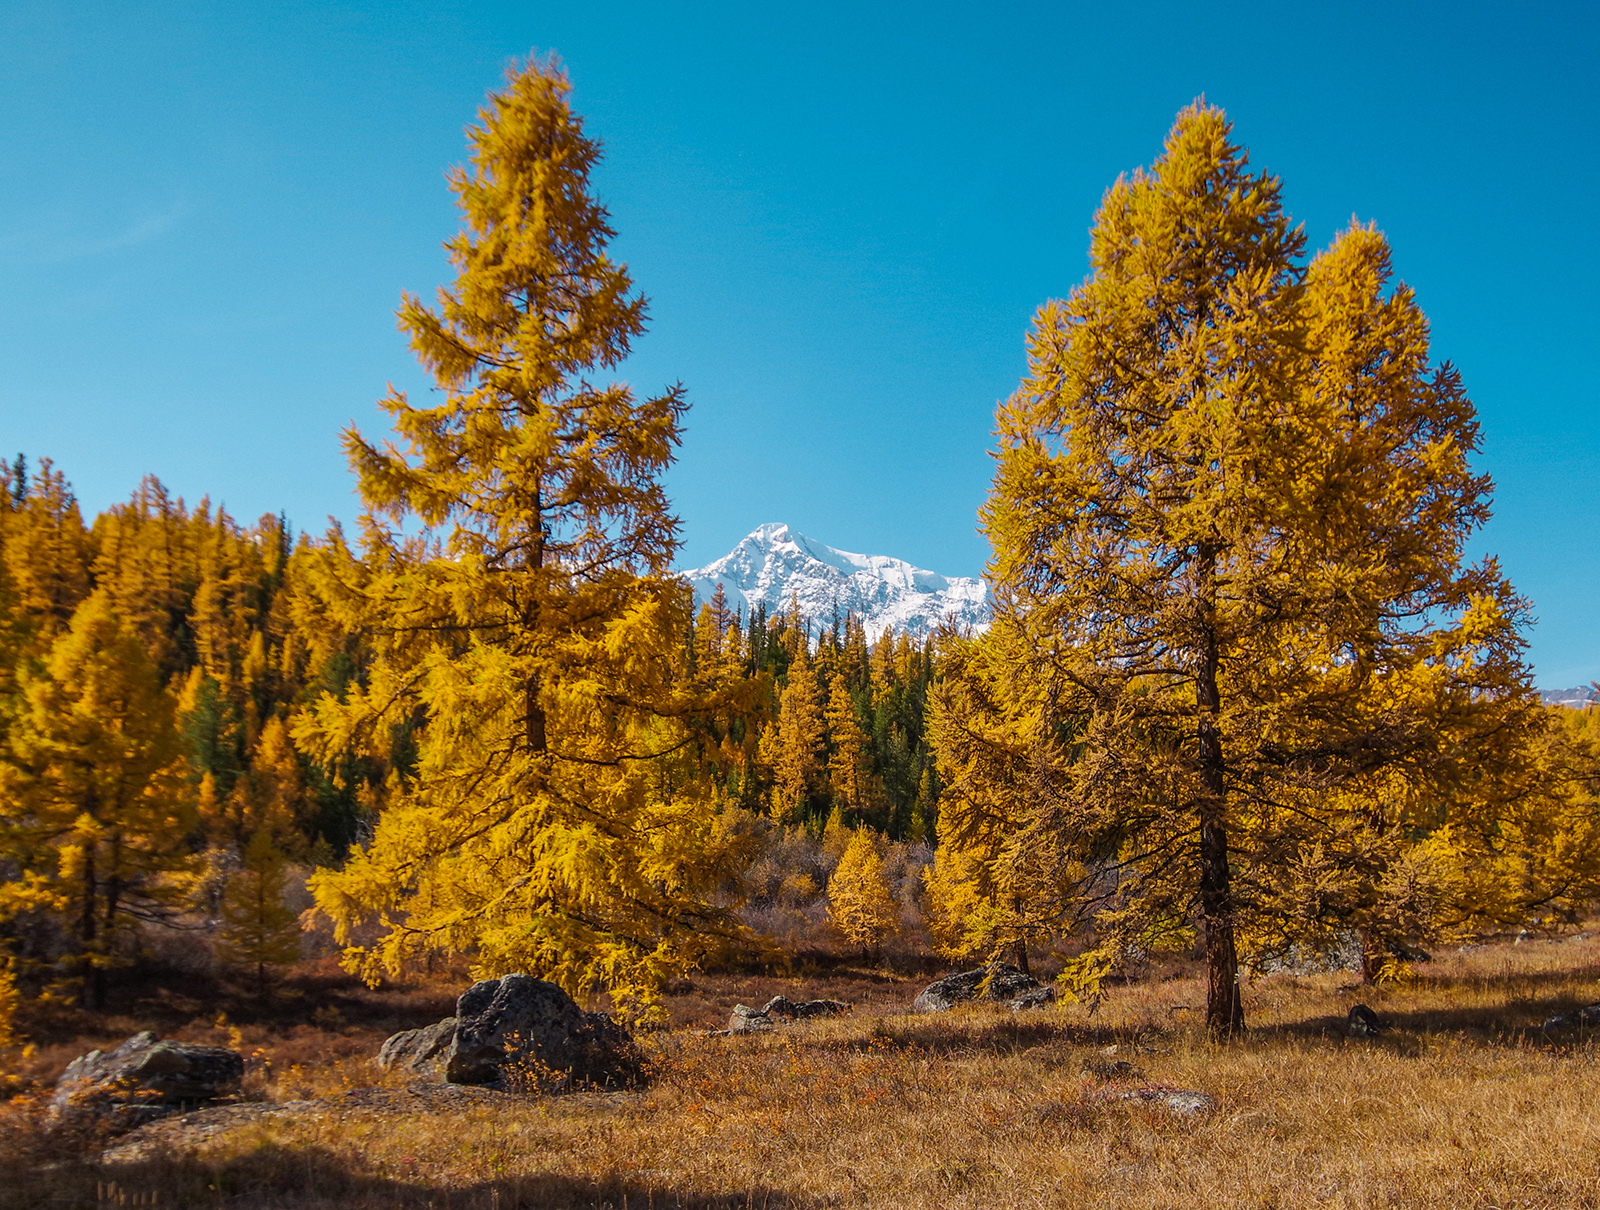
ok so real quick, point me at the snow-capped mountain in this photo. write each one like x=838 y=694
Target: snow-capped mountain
x=1576 y=698
x=774 y=562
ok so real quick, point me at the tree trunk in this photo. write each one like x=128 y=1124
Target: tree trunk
x=533 y=711
x=1373 y=954
x=87 y=931
x=1020 y=950
x=1224 y=1010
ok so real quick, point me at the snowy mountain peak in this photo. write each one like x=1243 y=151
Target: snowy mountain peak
x=774 y=562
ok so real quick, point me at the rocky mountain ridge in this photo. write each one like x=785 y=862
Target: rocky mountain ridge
x=774 y=562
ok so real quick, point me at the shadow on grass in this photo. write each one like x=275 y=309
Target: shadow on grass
x=273 y=1177
x=1516 y=1024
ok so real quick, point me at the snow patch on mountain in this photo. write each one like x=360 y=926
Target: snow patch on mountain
x=774 y=562
x=1578 y=698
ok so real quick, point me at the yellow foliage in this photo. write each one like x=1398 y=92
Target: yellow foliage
x=93 y=770
x=859 y=903
x=953 y=902
x=1239 y=672
x=552 y=807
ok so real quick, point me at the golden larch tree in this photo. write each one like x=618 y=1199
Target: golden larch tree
x=859 y=903
x=1234 y=625
x=549 y=809
x=97 y=805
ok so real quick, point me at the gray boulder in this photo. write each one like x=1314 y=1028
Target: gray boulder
x=1184 y=1102
x=747 y=1020
x=801 y=1010
x=1363 y=1022
x=997 y=981
x=522 y=1031
x=1587 y=1015
x=145 y=1078
x=1037 y=997
x=420 y=1051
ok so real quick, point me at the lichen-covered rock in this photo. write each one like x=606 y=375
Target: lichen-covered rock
x=145 y=1078
x=421 y=1051
x=1587 y=1015
x=997 y=981
x=518 y=1030
x=1037 y=997
x=782 y=1006
x=747 y=1020
x=1182 y=1101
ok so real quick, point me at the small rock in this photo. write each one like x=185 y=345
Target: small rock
x=1362 y=1022
x=1589 y=1014
x=421 y=1051
x=1522 y=935
x=145 y=1078
x=997 y=981
x=1036 y=997
x=747 y=1020
x=1181 y=1101
x=1112 y=1069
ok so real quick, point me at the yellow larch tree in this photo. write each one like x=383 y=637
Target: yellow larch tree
x=552 y=811
x=795 y=742
x=849 y=762
x=1234 y=627
x=859 y=903
x=97 y=805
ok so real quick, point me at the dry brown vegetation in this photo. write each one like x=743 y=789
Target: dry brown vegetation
x=1464 y=1102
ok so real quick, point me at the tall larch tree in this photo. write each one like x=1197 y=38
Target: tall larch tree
x=795 y=743
x=551 y=814
x=1228 y=520
x=859 y=903
x=97 y=808
x=849 y=763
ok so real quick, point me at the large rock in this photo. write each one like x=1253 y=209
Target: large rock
x=522 y=1031
x=145 y=1078
x=421 y=1051
x=997 y=981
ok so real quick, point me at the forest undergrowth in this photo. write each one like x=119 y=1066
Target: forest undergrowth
x=1463 y=1101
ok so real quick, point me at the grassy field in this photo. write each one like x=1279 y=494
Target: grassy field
x=1464 y=1102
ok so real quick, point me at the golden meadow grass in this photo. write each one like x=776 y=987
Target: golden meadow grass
x=1464 y=1103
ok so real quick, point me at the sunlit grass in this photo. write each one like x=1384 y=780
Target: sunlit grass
x=1463 y=1103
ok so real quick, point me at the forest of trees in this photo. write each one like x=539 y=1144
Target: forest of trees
x=1243 y=694
x=159 y=659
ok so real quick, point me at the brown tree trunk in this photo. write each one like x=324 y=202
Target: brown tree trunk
x=1373 y=954
x=1020 y=949
x=533 y=711
x=87 y=933
x=1224 y=1010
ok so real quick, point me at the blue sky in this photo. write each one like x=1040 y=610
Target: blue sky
x=844 y=217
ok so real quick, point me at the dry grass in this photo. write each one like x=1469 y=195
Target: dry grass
x=1463 y=1104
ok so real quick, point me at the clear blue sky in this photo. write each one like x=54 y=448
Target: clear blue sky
x=844 y=216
